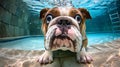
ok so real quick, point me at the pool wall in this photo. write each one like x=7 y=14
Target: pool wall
x=8 y=39
x=19 y=19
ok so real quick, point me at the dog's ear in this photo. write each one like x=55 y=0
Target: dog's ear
x=43 y=12
x=85 y=13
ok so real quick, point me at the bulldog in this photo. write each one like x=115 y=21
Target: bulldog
x=64 y=29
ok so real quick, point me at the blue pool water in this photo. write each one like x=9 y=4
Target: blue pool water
x=37 y=43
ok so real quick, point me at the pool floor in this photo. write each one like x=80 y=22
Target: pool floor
x=37 y=43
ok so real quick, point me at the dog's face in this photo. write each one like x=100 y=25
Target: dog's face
x=64 y=27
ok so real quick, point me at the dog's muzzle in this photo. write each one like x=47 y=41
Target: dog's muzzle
x=63 y=33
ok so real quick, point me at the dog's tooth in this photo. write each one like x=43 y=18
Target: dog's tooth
x=70 y=44
x=61 y=43
x=55 y=41
x=58 y=40
x=53 y=46
x=58 y=45
x=66 y=43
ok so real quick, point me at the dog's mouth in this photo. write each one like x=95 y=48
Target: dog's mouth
x=63 y=34
x=62 y=42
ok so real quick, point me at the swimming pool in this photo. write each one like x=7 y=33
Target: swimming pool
x=37 y=42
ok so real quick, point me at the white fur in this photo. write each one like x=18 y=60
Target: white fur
x=64 y=11
x=81 y=53
x=68 y=17
x=47 y=56
x=78 y=39
x=49 y=34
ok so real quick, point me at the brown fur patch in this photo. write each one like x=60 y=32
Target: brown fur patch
x=73 y=12
x=43 y=12
x=54 y=12
x=85 y=13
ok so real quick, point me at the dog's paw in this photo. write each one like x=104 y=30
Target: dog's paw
x=46 y=58
x=84 y=58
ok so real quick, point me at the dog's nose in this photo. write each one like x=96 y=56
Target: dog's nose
x=63 y=22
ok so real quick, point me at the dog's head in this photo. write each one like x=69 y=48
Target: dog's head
x=64 y=27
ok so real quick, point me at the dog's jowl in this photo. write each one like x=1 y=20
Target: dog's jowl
x=64 y=29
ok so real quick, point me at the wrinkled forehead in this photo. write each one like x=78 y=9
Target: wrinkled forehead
x=63 y=11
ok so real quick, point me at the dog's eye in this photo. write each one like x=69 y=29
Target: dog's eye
x=78 y=18
x=49 y=18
